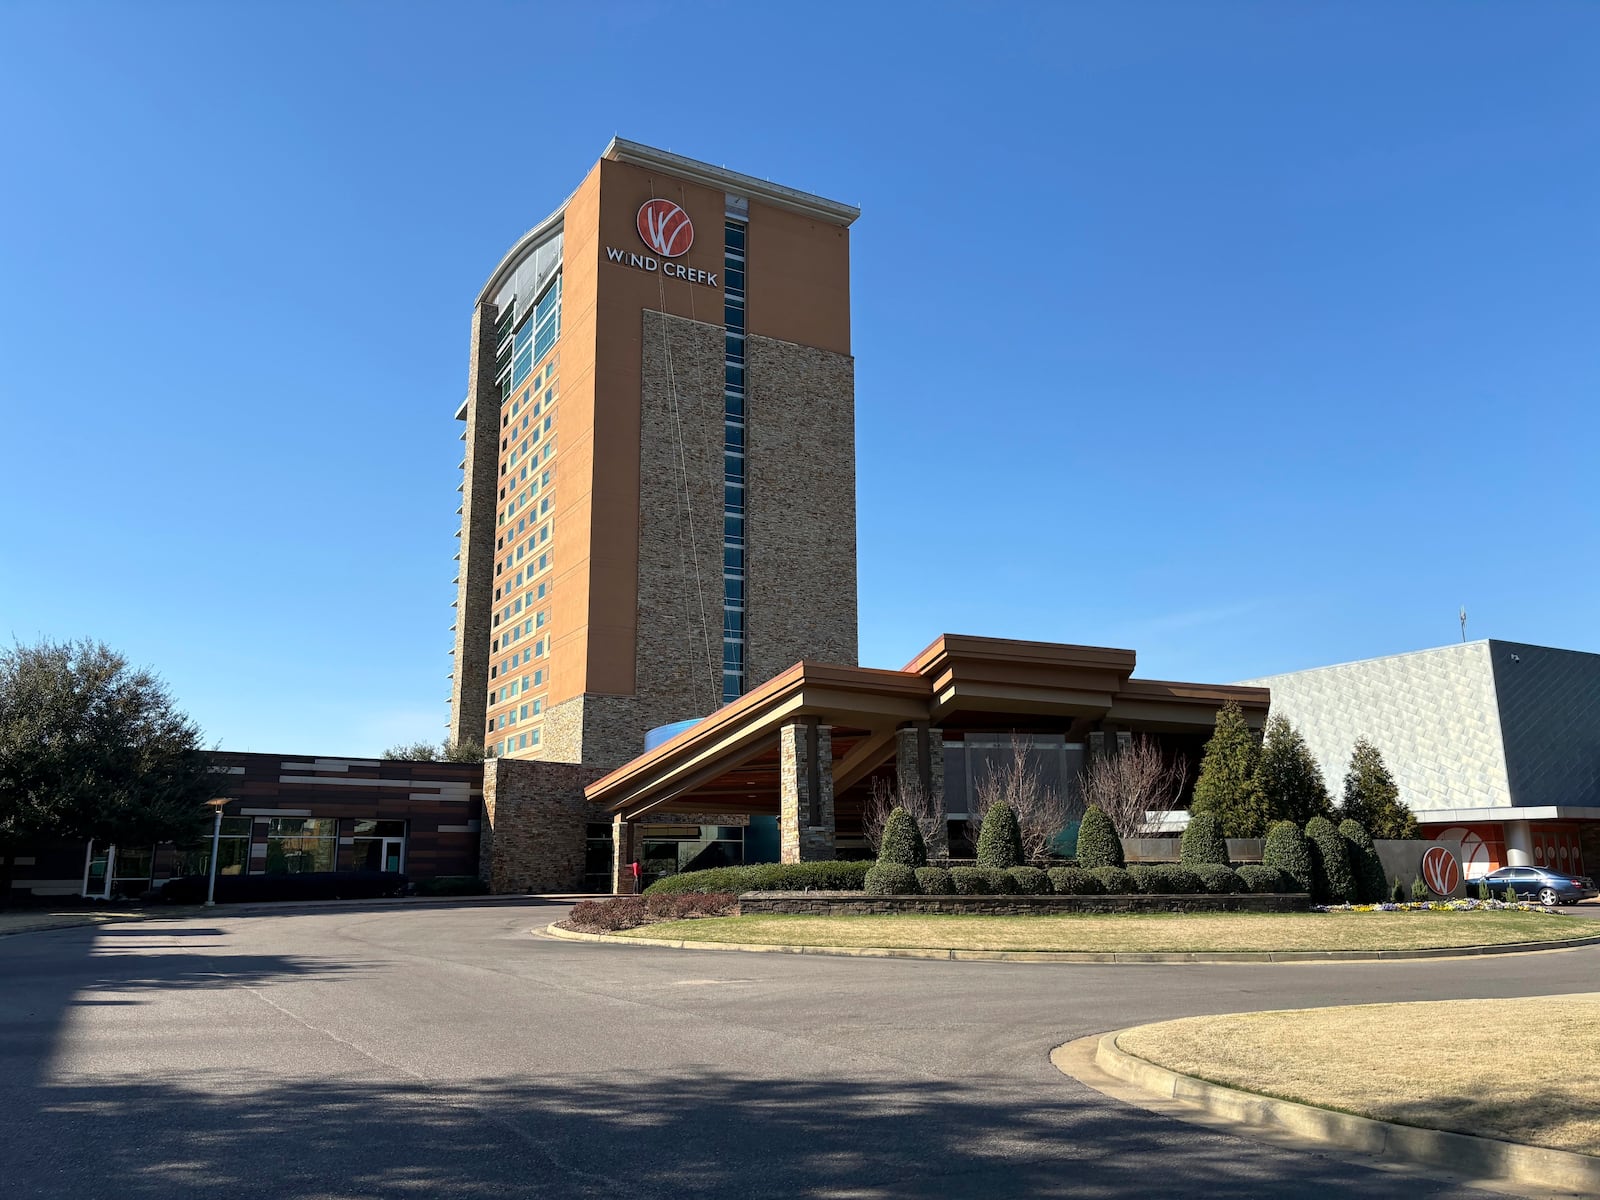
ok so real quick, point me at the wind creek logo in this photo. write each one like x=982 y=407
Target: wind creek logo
x=665 y=228
x=1439 y=870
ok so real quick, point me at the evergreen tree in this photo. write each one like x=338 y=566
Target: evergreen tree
x=1371 y=797
x=1203 y=842
x=1000 y=838
x=1371 y=883
x=902 y=842
x=1098 y=843
x=1227 y=783
x=1291 y=784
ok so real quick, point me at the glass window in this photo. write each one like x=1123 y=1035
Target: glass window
x=299 y=844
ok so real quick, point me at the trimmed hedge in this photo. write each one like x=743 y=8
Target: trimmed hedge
x=1217 y=878
x=1000 y=838
x=902 y=841
x=891 y=879
x=769 y=877
x=1203 y=842
x=1365 y=866
x=1098 y=843
x=935 y=881
x=451 y=885
x=1331 y=878
x=1286 y=849
x=1073 y=881
x=1160 y=879
x=1115 y=881
x=970 y=881
x=1030 y=881
x=1259 y=878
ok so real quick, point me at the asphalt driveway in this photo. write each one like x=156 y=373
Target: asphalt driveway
x=444 y=1052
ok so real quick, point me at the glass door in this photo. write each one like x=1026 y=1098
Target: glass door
x=394 y=854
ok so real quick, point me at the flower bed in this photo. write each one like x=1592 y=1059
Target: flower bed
x=1462 y=905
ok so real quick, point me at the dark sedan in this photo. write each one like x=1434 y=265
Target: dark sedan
x=1541 y=884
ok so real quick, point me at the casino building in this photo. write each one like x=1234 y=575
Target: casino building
x=658 y=481
x=1493 y=744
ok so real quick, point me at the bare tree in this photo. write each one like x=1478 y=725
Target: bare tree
x=1042 y=811
x=911 y=796
x=1132 y=783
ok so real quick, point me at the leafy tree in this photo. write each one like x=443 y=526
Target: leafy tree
x=1098 y=843
x=902 y=841
x=1227 y=782
x=1288 y=777
x=92 y=748
x=1371 y=884
x=412 y=752
x=1000 y=838
x=1203 y=842
x=468 y=752
x=1287 y=851
x=1331 y=879
x=1371 y=797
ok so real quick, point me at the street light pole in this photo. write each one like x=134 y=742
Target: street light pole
x=216 y=846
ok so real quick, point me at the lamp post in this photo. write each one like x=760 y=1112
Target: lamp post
x=216 y=846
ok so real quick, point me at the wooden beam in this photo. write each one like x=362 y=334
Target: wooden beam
x=868 y=754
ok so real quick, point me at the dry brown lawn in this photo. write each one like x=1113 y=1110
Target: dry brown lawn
x=1524 y=1070
x=1213 y=932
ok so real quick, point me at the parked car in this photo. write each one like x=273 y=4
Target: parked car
x=1541 y=884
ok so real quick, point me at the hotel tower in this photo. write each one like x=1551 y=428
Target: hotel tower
x=658 y=488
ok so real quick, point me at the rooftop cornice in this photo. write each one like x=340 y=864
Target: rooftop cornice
x=817 y=207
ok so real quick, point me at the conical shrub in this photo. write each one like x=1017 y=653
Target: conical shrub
x=902 y=842
x=1098 y=843
x=1286 y=850
x=1331 y=878
x=1203 y=842
x=1000 y=838
x=1370 y=882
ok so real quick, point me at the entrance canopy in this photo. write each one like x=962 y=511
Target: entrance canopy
x=734 y=761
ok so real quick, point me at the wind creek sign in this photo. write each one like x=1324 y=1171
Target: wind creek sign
x=666 y=229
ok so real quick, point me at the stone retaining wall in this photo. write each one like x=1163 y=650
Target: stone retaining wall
x=858 y=904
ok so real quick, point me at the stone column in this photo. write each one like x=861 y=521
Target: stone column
x=622 y=854
x=805 y=817
x=919 y=763
x=1519 y=844
x=1097 y=745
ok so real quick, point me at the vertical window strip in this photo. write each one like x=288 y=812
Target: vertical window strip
x=735 y=234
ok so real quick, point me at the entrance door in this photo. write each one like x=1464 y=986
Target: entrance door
x=394 y=854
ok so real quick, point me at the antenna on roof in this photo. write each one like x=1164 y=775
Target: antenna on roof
x=1463 y=623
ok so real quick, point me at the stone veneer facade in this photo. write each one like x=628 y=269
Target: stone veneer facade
x=911 y=771
x=469 y=671
x=534 y=825
x=800 y=521
x=798 y=839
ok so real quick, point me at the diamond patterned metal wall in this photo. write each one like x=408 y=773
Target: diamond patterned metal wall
x=1433 y=715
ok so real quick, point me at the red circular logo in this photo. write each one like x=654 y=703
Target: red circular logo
x=1439 y=870
x=665 y=228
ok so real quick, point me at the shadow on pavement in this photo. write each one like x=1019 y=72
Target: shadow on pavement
x=706 y=1135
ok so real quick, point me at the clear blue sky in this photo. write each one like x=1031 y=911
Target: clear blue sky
x=1249 y=336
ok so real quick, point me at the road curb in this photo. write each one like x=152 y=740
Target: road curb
x=1460 y=1152
x=1077 y=956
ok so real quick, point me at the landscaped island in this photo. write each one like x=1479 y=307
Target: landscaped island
x=1137 y=933
x=1440 y=1065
